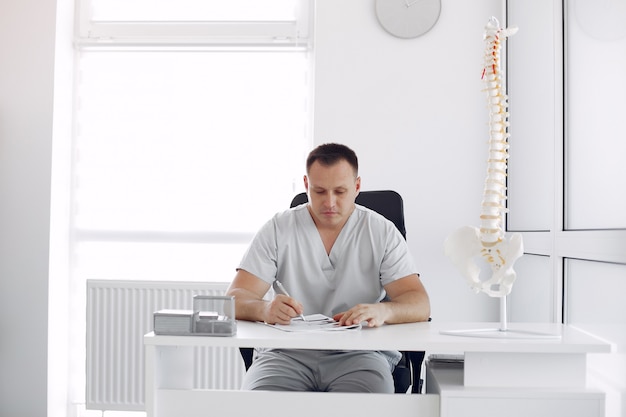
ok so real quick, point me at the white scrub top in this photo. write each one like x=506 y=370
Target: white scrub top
x=369 y=253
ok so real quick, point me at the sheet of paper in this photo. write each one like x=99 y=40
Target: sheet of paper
x=313 y=323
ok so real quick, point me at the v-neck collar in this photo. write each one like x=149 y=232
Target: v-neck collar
x=330 y=259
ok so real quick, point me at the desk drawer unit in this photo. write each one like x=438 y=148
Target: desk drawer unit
x=458 y=400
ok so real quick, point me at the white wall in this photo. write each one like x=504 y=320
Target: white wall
x=413 y=110
x=415 y=113
x=26 y=97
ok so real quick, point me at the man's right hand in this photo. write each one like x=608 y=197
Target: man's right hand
x=282 y=309
x=249 y=290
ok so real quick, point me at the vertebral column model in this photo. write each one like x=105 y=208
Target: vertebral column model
x=488 y=242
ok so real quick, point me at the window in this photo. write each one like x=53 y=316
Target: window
x=594 y=203
x=596 y=198
x=191 y=129
x=274 y=23
x=181 y=157
x=567 y=182
x=182 y=152
x=193 y=10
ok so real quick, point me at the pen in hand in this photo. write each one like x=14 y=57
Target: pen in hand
x=283 y=291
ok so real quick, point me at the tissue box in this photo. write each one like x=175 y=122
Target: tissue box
x=172 y=322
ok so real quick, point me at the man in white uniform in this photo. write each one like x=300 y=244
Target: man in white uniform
x=335 y=258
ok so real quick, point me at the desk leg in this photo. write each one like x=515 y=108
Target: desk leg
x=150 y=382
x=175 y=367
x=169 y=367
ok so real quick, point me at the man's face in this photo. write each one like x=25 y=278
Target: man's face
x=332 y=191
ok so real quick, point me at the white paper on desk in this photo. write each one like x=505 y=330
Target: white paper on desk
x=314 y=323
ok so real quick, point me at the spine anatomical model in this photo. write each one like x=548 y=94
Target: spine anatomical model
x=488 y=242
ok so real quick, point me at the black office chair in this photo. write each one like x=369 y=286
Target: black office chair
x=389 y=204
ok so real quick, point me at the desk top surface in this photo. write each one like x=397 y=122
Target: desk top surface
x=410 y=336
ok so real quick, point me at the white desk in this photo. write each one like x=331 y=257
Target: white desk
x=558 y=364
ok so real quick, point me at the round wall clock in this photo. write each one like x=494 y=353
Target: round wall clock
x=407 y=18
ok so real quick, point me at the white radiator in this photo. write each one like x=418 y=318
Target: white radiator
x=119 y=313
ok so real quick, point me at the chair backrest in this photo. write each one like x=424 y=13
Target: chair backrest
x=385 y=202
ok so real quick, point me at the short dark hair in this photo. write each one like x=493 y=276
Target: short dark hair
x=330 y=153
